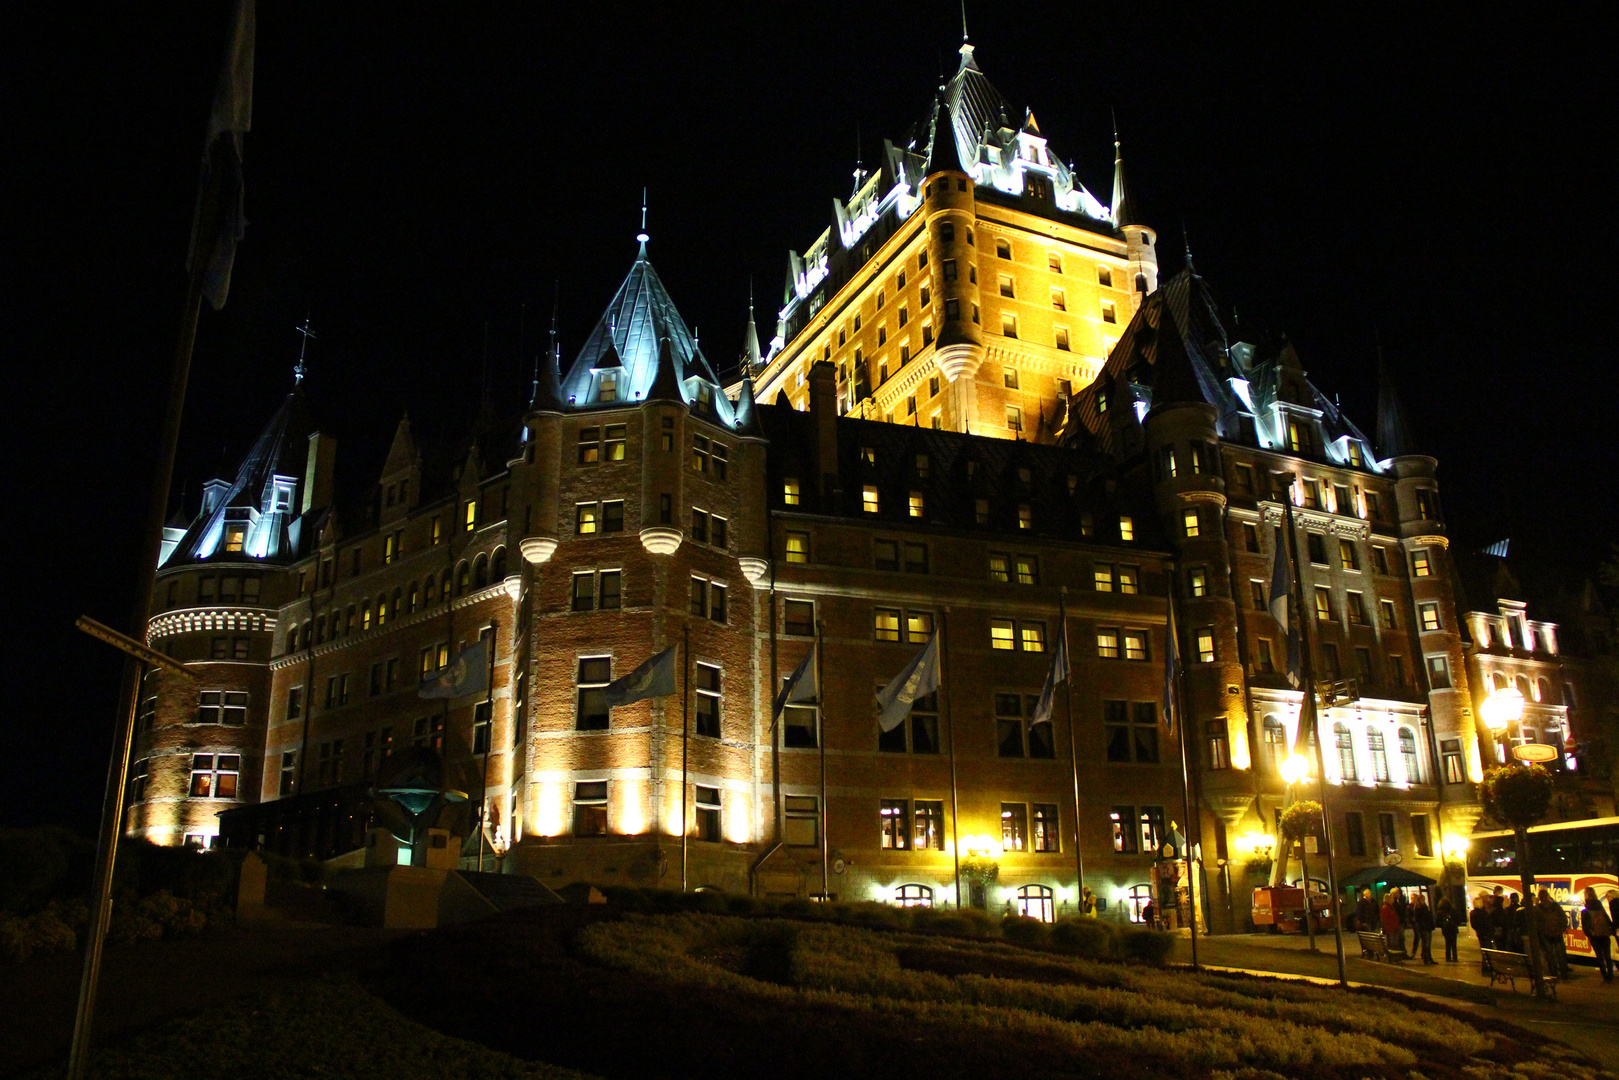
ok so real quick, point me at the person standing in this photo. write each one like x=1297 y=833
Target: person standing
x=1597 y=926
x=1149 y=915
x=1366 y=917
x=1479 y=920
x=1393 y=933
x=1509 y=931
x=1449 y=925
x=1403 y=910
x=1551 y=922
x=1613 y=907
x=1422 y=927
x=1088 y=904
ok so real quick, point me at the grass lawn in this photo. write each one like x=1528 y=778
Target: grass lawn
x=710 y=995
x=329 y=1028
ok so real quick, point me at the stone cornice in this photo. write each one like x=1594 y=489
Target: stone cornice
x=210 y=620
x=402 y=622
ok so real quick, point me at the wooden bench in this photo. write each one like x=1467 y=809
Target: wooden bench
x=1508 y=967
x=1376 y=946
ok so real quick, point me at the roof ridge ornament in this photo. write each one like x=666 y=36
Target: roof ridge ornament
x=642 y=237
x=300 y=369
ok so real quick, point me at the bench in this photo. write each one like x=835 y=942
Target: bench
x=1376 y=946
x=1508 y=967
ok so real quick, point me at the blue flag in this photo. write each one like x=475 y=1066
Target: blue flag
x=1057 y=673
x=655 y=678
x=802 y=685
x=1172 y=668
x=466 y=674
x=917 y=679
x=1281 y=593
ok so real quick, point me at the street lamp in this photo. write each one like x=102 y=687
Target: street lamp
x=1294 y=769
x=1503 y=708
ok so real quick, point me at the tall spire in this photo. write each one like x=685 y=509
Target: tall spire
x=299 y=370
x=547 y=396
x=1124 y=211
x=1186 y=238
x=751 y=360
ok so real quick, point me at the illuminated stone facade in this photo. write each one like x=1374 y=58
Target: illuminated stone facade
x=639 y=506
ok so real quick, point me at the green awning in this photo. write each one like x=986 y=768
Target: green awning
x=1372 y=876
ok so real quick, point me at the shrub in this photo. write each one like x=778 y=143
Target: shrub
x=708 y=902
x=1024 y=930
x=800 y=908
x=1519 y=795
x=1146 y=946
x=40 y=864
x=870 y=914
x=23 y=937
x=1087 y=937
x=741 y=905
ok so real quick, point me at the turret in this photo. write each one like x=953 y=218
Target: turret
x=950 y=207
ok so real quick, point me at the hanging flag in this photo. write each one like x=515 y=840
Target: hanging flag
x=1172 y=668
x=1281 y=592
x=466 y=674
x=1057 y=673
x=218 y=222
x=917 y=679
x=802 y=685
x=654 y=678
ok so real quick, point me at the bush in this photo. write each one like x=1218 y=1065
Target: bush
x=741 y=905
x=1146 y=946
x=23 y=937
x=1024 y=931
x=950 y=922
x=1087 y=937
x=869 y=914
x=707 y=902
x=40 y=864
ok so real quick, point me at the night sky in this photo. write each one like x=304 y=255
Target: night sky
x=418 y=173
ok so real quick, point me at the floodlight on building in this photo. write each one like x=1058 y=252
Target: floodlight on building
x=1456 y=846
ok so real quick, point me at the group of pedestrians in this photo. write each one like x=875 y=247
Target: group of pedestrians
x=1502 y=921
x=1395 y=915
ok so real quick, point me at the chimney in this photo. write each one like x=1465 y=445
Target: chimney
x=318 y=472
x=823 y=407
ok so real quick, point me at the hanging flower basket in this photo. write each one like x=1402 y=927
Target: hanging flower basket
x=1301 y=819
x=980 y=870
x=1519 y=795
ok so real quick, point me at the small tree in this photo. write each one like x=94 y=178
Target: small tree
x=1520 y=796
x=1300 y=820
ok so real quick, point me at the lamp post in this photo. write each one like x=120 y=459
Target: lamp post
x=1293 y=770
x=1500 y=710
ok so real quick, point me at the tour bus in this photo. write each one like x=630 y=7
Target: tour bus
x=1566 y=857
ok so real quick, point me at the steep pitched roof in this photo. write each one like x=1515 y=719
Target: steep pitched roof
x=1393 y=430
x=631 y=334
x=250 y=501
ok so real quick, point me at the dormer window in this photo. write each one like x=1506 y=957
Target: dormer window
x=607 y=386
x=235 y=538
x=1356 y=458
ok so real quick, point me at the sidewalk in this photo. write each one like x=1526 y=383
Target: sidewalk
x=1585 y=1016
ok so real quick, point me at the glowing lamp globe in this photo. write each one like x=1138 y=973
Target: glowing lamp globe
x=1501 y=708
x=1295 y=768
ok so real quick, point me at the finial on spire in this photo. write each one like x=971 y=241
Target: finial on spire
x=300 y=369
x=964 y=38
x=1186 y=239
x=641 y=236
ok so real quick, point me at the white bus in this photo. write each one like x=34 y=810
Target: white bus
x=1566 y=857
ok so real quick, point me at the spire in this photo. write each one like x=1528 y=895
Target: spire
x=300 y=370
x=1393 y=433
x=1187 y=240
x=942 y=151
x=402 y=454
x=547 y=395
x=964 y=38
x=641 y=237
x=666 y=384
x=746 y=422
x=751 y=360
x=1124 y=211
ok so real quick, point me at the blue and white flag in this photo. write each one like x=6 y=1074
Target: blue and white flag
x=466 y=674
x=655 y=678
x=917 y=679
x=1172 y=668
x=1281 y=593
x=801 y=686
x=1057 y=673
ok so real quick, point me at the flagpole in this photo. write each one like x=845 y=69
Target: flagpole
x=489 y=741
x=1307 y=676
x=950 y=726
x=826 y=816
x=1073 y=750
x=1178 y=673
x=685 y=743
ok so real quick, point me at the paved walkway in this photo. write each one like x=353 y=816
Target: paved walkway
x=1586 y=1015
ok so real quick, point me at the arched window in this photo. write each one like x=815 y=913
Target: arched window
x=365 y=615
x=1035 y=901
x=1523 y=688
x=396 y=609
x=1380 y=757
x=1275 y=739
x=1408 y=756
x=415 y=596
x=348 y=621
x=497 y=565
x=1346 y=753
x=463 y=575
x=1498 y=681
x=292 y=637
x=1543 y=691
x=382 y=610
x=1140 y=897
x=913 y=896
x=444 y=586
x=480 y=571
x=432 y=588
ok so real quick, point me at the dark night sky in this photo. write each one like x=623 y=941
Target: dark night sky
x=416 y=171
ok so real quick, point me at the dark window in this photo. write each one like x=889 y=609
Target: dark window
x=1385 y=833
x=708 y=700
x=590 y=808
x=595 y=672
x=1355 y=830
x=1420 y=837
x=798 y=617
x=1219 y=744
x=708 y=813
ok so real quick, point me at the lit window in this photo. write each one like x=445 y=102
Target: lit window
x=1028 y=570
x=1102 y=574
x=885 y=624
x=1110 y=313
x=1000 y=634
x=916 y=504
x=1323 y=603
x=999 y=567
x=1127 y=528
x=1197 y=581
x=589 y=445
x=1135 y=645
x=1025 y=516
x=469 y=518
x=1430 y=616
x=1189 y=520
x=1032 y=635
x=868 y=499
x=893 y=820
x=798 y=547
x=1419 y=563
x=918 y=626
x=607 y=386
x=1062 y=339
x=1348 y=554
x=235 y=537
x=1204 y=638
x=613 y=448
x=789 y=491
x=1107 y=644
